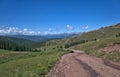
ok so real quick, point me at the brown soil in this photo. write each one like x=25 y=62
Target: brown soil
x=1 y=55
x=111 y=48
x=117 y=26
x=78 y=64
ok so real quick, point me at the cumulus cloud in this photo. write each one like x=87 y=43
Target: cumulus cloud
x=25 y=29
x=68 y=27
x=15 y=30
x=12 y=29
x=85 y=27
x=31 y=32
x=8 y=30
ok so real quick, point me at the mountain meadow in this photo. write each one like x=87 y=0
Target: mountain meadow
x=21 y=57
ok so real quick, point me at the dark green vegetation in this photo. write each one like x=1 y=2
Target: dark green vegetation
x=36 y=59
x=15 y=44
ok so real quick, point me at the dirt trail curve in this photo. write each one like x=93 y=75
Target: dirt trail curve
x=78 y=64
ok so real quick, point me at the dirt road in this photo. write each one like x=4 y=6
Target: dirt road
x=78 y=64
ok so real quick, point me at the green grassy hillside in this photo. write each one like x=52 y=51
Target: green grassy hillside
x=29 y=64
x=107 y=32
x=97 y=40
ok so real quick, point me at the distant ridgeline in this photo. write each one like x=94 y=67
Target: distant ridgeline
x=15 y=44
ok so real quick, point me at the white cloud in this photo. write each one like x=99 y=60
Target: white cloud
x=12 y=29
x=68 y=27
x=2 y=31
x=31 y=32
x=85 y=27
x=15 y=30
x=25 y=29
x=20 y=31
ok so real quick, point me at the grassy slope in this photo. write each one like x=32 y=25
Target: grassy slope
x=29 y=64
x=106 y=32
x=105 y=37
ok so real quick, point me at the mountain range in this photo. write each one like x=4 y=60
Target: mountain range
x=39 y=38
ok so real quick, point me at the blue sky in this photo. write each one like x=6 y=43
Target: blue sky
x=57 y=16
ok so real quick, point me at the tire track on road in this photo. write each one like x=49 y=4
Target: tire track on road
x=91 y=72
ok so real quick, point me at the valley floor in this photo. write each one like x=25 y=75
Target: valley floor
x=78 y=64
